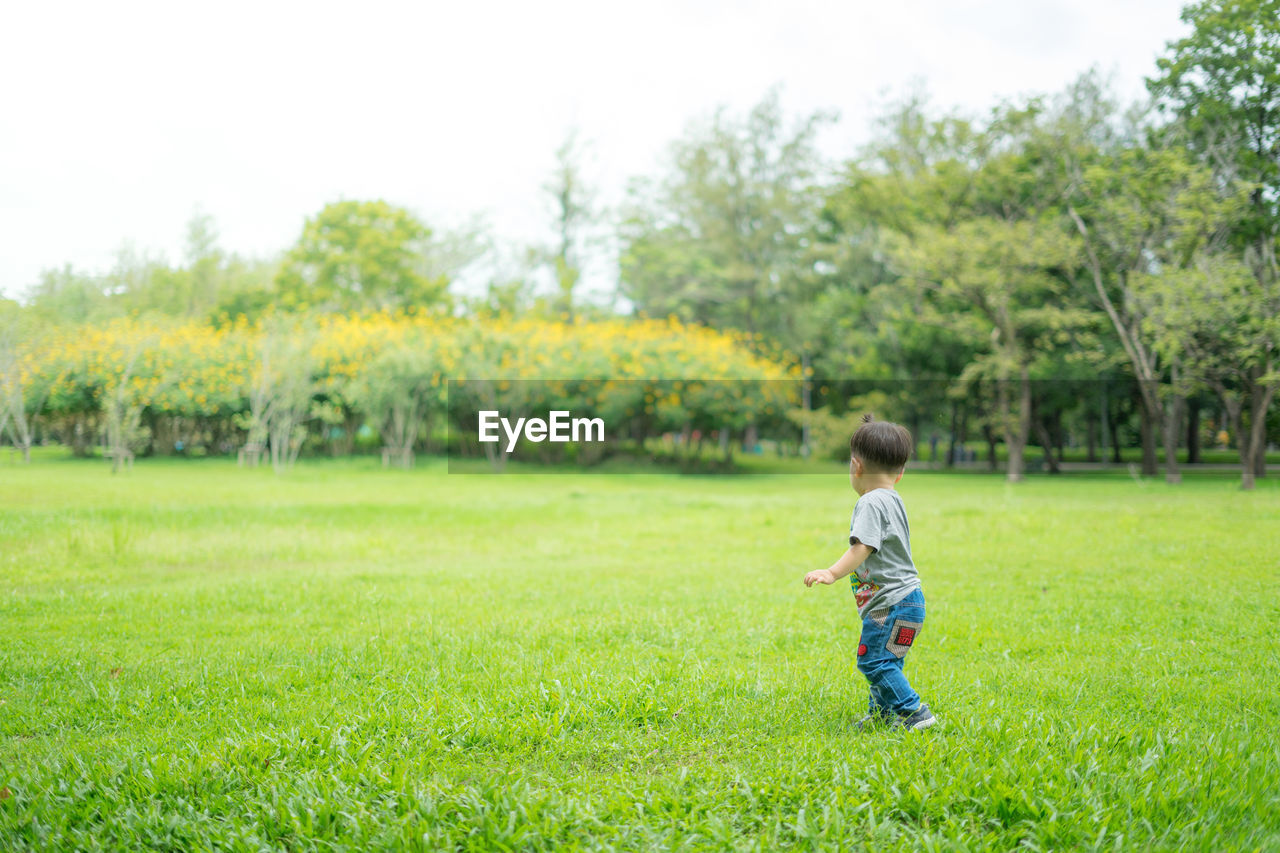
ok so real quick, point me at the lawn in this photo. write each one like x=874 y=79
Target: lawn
x=198 y=656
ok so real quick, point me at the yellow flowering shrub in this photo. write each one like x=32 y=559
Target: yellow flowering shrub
x=197 y=371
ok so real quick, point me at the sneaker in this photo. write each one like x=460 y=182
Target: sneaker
x=877 y=720
x=920 y=718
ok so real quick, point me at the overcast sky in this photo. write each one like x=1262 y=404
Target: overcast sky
x=119 y=120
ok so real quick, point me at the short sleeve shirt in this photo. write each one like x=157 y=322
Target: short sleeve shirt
x=888 y=575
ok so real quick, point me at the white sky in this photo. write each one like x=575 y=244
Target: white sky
x=118 y=120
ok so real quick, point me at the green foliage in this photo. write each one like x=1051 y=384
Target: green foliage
x=1223 y=81
x=722 y=238
x=272 y=381
x=66 y=296
x=574 y=203
x=401 y=393
x=359 y=255
x=211 y=284
x=829 y=433
x=983 y=260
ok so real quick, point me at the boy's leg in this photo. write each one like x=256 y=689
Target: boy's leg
x=887 y=636
x=877 y=711
x=878 y=705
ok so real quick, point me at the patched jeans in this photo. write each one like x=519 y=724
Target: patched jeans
x=887 y=636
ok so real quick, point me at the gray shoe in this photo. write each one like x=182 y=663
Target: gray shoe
x=878 y=720
x=920 y=718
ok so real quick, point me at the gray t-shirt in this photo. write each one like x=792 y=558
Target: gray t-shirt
x=888 y=575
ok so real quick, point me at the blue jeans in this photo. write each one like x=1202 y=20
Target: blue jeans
x=887 y=636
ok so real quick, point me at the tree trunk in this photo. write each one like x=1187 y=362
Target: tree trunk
x=1247 y=477
x=1045 y=437
x=496 y=455
x=806 y=402
x=162 y=436
x=1172 y=428
x=955 y=429
x=1091 y=440
x=345 y=443
x=80 y=436
x=1260 y=401
x=1016 y=433
x=990 y=436
x=1108 y=427
x=1232 y=414
x=1254 y=455
x=1193 y=431
x=1148 y=423
x=639 y=433
x=150 y=449
x=1046 y=442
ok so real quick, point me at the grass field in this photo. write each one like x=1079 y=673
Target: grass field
x=199 y=656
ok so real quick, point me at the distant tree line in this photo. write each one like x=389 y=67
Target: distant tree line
x=1065 y=269
x=406 y=380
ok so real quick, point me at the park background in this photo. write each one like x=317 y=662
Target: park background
x=1075 y=290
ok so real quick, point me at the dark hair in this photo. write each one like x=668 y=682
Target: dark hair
x=881 y=445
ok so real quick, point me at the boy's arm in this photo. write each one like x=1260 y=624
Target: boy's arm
x=843 y=567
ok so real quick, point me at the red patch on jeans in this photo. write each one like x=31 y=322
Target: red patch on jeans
x=862 y=649
x=905 y=636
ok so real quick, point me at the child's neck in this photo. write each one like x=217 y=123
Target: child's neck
x=876 y=483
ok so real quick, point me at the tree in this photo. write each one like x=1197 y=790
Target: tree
x=17 y=333
x=205 y=262
x=281 y=388
x=1143 y=209
x=453 y=252
x=247 y=289
x=919 y=173
x=140 y=282
x=122 y=408
x=1001 y=269
x=1208 y=315
x=1223 y=83
x=969 y=223
x=574 y=212
x=359 y=255
x=64 y=295
x=719 y=239
x=728 y=237
x=399 y=392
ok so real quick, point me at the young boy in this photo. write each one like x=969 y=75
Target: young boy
x=885 y=585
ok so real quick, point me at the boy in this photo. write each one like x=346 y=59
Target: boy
x=885 y=585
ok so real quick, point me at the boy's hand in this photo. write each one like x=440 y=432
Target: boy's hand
x=819 y=576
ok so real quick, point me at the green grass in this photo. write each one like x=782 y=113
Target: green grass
x=196 y=656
